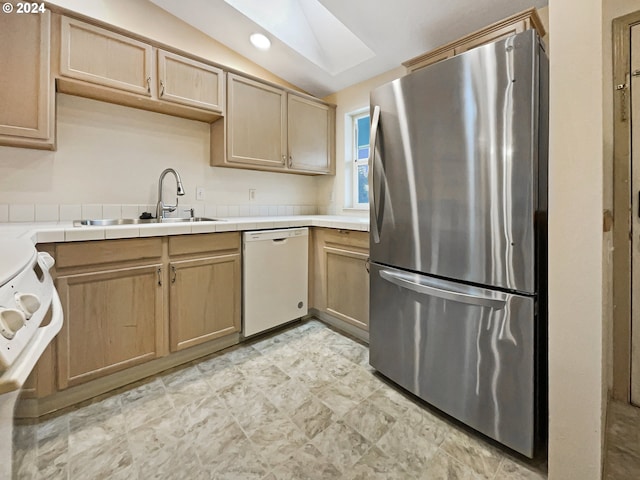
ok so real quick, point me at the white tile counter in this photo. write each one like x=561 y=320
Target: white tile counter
x=47 y=232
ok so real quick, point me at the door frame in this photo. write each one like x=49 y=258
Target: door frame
x=621 y=217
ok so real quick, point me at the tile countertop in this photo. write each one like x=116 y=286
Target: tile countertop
x=46 y=232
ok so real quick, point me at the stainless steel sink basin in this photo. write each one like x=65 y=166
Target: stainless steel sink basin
x=107 y=222
x=192 y=219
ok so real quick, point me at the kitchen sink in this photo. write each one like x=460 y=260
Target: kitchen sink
x=107 y=222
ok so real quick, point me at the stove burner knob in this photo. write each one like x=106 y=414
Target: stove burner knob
x=11 y=321
x=28 y=303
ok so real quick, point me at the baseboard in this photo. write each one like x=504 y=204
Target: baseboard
x=37 y=407
x=339 y=324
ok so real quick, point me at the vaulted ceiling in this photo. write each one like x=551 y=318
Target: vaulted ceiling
x=323 y=46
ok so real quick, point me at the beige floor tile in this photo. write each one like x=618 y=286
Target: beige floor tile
x=298 y=404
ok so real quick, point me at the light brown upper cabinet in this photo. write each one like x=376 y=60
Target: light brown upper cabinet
x=189 y=82
x=27 y=111
x=309 y=134
x=268 y=128
x=99 y=56
x=104 y=65
x=514 y=24
x=256 y=116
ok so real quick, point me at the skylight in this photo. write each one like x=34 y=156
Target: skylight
x=310 y=29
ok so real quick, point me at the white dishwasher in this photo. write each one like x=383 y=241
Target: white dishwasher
x=274 y=278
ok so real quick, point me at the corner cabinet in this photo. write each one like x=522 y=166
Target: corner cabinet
x=309 y=134
x=204 y=289
x=268 y=128
x=339 y=275
x=27 y=112
x=109 y=66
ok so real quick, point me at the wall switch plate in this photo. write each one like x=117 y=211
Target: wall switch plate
x=252 y=194
x=199 y=193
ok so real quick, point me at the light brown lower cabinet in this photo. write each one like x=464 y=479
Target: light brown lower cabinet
x=134 y=307
x=205 y=292
x=113 y=321
x=339 y=275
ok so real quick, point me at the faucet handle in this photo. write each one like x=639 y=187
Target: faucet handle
x=189 y=211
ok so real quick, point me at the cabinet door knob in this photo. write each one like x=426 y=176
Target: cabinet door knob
x=161 y=88
x=174 y=274
x=148 y=84
x=160 y=276
x=290 y=161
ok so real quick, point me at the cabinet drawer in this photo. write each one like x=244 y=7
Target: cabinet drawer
x=352 y=238
x=208 y=242
x=107 y=251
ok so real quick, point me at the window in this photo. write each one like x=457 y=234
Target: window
x=359 y=159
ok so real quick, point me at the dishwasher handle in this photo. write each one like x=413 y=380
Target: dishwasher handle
x=280 y=240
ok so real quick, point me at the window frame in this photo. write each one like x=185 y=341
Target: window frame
x=355 y=162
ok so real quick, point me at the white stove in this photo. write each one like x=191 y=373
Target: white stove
x=26 y=294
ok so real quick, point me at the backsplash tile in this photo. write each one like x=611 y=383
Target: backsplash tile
x=91 y=211
x=222 y=211
x=22 y=212
x=47 y=213
x=112 y=211
x=70 y=212
x=130 y=211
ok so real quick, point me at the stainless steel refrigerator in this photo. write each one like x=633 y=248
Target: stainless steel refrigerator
x=458 y=202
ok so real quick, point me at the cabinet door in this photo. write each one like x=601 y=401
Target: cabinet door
x=113 y=320
x=106 y=58
x=309 y=135
x=26 y=92
x=188 y=82
x=339 y=279
x=256 y=125
x=204 y=299
x=347 y=285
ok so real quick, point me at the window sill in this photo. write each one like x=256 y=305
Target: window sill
x=356 y=209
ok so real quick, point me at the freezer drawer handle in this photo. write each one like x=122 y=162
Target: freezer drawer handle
x=483 y=301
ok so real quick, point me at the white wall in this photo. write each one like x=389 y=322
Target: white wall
x=576 y=399
x=108 y=154
x=331 y=190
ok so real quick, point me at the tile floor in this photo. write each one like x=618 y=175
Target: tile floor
x=302 y=403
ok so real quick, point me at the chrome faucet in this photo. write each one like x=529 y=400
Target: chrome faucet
x=161 y=207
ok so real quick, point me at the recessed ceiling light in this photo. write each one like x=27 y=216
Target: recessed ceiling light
x=260 y=41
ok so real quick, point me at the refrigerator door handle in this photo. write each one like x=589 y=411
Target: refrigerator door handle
x=497 y=301
x=375 y=119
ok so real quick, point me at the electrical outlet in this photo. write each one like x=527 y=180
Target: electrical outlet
x=252 y=194
x=199 y=193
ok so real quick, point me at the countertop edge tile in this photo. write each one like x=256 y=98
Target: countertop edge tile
x=64 y=231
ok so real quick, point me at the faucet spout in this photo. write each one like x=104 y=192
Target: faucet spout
x=161 y=207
